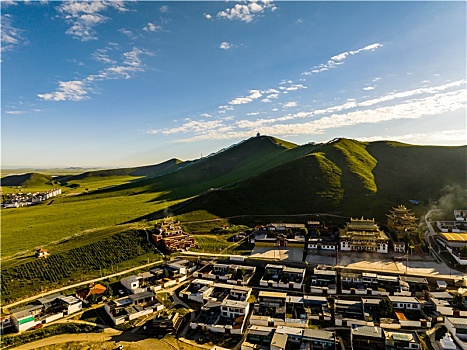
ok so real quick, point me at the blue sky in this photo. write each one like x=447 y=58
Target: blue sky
x=135 y=83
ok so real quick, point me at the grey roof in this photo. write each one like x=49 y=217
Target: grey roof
x=371 y=301
x=21 y=314
x=399 y=299
x=234 y=303
x=147 y=275
x=441 y=295
x=458 y=322
x=279 y=340
x=318 y=334
x=26 y=308
x=141 y=295
x=367 y=331
x=410 y=279
x=70 y=300
x=49 y=298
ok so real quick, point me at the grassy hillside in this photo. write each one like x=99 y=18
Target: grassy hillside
x=303 y=185
x=249 y=158
x=26 y=180
x=345 y=177
x=156 y=169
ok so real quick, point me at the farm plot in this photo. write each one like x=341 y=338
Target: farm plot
x=71 y=266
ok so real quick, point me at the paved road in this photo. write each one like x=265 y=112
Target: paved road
x=85 y=283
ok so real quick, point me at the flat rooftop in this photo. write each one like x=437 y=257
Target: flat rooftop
x=267 y=294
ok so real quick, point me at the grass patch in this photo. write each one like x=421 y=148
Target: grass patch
x=164 y=298
x=69 y=216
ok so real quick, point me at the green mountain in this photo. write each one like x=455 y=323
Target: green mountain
x=236 y=163
x=344 y=177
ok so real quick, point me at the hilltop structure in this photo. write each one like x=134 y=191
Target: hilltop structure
x=402 y=220
x=169 y=236
x=363 y=235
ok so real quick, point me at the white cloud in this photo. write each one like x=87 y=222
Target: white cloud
x=207 y=16
x=368 y=88
x=10 y=36
x=290 y=104
x=164 y=9
x=190 y=126
x=450 y=136
x=409 y=93
x=5 y=3
x=67 y=91
x=77 y=90
x=128 y=33
x=337 y=60
x=295 y=87
x=85 y=15
x=151 y=27
x=15 y=112
x=247 y=11
x=254 y=94
x=332 y=118
x=225 y=46
x=100 y=55
x=206 y=115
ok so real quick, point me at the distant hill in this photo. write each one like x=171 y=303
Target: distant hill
x=26 y=180
x=157 y=169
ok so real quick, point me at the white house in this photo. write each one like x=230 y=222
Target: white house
x=131 y=283
x=406 y=303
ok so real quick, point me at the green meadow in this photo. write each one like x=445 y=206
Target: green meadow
x=29 y=227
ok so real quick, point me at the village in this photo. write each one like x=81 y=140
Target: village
x=16 y=200
x=309 y=299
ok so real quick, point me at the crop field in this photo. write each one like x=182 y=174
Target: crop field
x=29 y=227
x=74 y=265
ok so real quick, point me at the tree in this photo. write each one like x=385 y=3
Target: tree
x=108 y=289
x=304 y=231
x=385 y=308
x=166 y=273
x=463 y=251
x=458 y=300
x=92 y=299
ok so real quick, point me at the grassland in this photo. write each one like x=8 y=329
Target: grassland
x=73 y=187
x=26 y=228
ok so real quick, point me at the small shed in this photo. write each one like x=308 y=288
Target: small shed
x=442 y=285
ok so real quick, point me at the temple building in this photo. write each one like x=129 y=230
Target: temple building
x=363 y=235
x=169 y=236
x=402 y=220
